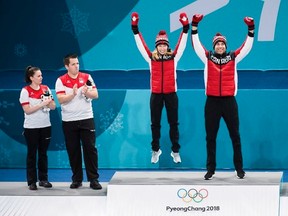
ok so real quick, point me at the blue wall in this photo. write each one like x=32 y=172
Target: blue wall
x=122 y=118
x=100 y=32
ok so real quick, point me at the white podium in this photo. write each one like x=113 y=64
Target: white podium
x=187 y=193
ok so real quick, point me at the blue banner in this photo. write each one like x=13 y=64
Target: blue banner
x=100 y=31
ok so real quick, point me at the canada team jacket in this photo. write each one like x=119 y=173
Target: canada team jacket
x=163 y=71
x=220 y=71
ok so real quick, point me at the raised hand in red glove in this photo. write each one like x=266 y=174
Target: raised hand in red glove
x=184 y=19
x=134 y=19
x=250 y=23
x=185 y=22
x=196 y=19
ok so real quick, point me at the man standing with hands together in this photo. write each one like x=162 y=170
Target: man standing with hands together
x=77 y=121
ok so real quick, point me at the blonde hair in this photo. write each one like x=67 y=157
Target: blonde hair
x=155 y=54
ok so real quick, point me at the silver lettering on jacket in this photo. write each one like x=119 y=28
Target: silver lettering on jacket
x=224 y=60
x=166 y=57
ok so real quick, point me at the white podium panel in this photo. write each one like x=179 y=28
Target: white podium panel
x=17 y=200
x=283 y=206
x=52 y=206
x=186 y=193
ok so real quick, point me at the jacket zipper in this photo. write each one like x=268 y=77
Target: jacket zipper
x=162 y=71
x=220 y=81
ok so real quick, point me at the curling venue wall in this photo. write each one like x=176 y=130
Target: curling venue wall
x=100 y=32
x=122 y=119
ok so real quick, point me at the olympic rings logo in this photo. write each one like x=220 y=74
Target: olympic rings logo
x=192 y=194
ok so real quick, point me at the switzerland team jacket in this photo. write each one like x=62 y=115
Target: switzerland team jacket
x=220 y=71
x=163 y=71
x=32 y=97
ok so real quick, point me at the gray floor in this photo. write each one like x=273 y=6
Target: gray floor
x=284 y=190
x=147 y=178
x=58 y=189
x=195 y=178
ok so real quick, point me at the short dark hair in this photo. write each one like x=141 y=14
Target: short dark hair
x=67 y=58
x=29 y=72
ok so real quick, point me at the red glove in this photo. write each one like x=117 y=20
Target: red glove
x=250 y=23
x=184 y=19
x=196 y=19
x=134 y=19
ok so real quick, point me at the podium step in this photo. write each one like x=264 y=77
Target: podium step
x=132 y=190
x=187 y=193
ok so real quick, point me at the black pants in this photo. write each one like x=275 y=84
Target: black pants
x=215 y=108
x=77 y=132
x=157 y=101
x=37 y=140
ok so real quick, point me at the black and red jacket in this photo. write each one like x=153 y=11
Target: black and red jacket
x=220 y=72
x=163 y=71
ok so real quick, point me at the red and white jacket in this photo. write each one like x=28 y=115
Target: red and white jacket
x=78 y=108
x=163 y=71
x=220 y=71
x=32 y=97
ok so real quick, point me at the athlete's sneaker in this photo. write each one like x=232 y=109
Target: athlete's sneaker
x=95 y=185
x=176 y=157
x=75 y=185
x=240 y=174
x=33 y=186
x=45 y=184
x=155 y=156
x=209 y=175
